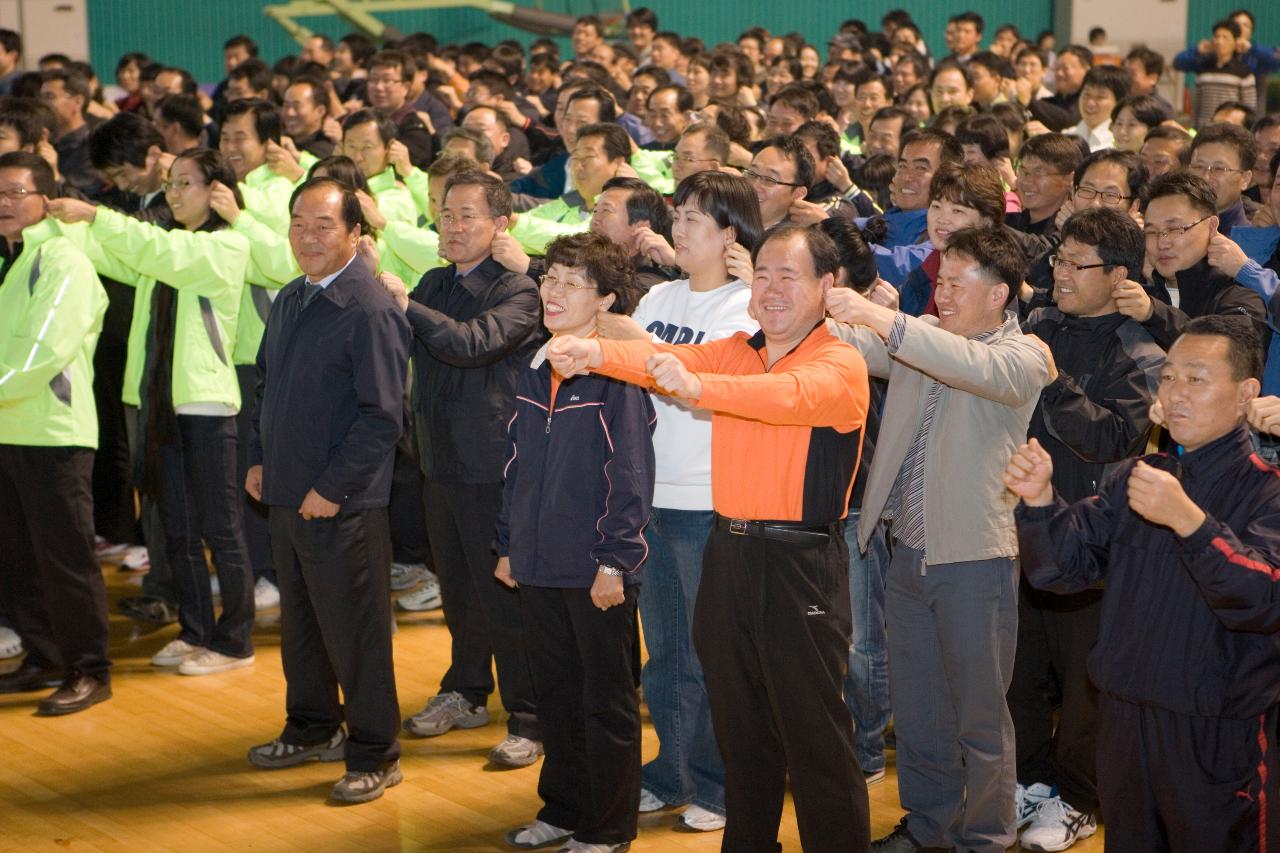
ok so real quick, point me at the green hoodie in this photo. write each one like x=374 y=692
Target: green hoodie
x=51 y=309
x=266 y=195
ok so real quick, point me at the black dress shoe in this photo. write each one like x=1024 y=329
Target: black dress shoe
x=902 y=841
x=30 y=677
x=78 y=691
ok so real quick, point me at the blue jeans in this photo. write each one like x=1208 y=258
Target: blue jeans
x=688 y=767
x=866 y=685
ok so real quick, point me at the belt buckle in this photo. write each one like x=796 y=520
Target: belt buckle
x=738 y=526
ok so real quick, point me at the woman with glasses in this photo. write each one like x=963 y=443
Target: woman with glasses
x=188 y=276
x=571 y=536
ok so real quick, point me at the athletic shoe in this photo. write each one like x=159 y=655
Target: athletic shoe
x=277 y=754
x=698 y=819
x=446 y=711
x=537 y=835
x=266 y=595
x=575 y=846
x=362 y=787
x=209 y=662
x=136 y=559
x=516 y=751
x=425 y=597
x=146 y=608
x=215 y=586
x=649 y=802
x=406 y=575
x=902 y=841
x=1057 y=826
x=104 y=549
x=874 y=776
x=1029 y=799
x=10 y=643
x=174 y=653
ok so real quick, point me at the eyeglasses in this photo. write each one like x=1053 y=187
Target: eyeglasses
x=1172 y=230
x=448 y=220
x=16 y=194
x=181 y=185
x=1109 y=197
x=756 y=177
x=1217 y=170
x=549 y=283
x=1059 y=262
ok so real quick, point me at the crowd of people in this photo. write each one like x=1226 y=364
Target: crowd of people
x=908 y=401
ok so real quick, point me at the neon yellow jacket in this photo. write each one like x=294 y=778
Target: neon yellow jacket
x=538 y=227
x=419 y=185
x=393 y=198
x=654 y=168
x=51 y=309
x=207 y=268
x=266 y=196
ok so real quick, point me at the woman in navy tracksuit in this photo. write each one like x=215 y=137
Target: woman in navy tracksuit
x=579 y=485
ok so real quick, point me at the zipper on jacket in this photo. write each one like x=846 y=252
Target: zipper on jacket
x=548 y=423
x=924 y=567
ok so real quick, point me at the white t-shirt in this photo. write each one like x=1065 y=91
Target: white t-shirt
x=674 y=314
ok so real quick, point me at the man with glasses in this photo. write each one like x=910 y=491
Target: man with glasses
x=1180 y=212
x=781 y=173
x=1111 y=179
x=1047 y=164
x=703 y=147
x=1224 y=155
x=1093 y=413
x=475 y=326
x=67 y=92
x=390 y=75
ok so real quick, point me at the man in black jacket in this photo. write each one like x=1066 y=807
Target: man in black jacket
x=390 y=75
x=1180 y=211
x=1186 y=665
x=331 y=376
x=1091 y=415
x=475 y=326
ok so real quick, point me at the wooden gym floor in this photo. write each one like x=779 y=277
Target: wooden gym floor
x=161 y=766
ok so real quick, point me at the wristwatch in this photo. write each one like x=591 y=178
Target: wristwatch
x=611 y=571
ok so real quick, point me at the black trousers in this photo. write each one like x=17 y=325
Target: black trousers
x=1050 y=673
x=158 y=581
x=335 y=631
x=113 y=505
x=583 y=661
x=256 y=536
x=1171 y=782
x=406 y=513
x=49 y=574
x=483 y=616
x=772 y=627
x=200 y=505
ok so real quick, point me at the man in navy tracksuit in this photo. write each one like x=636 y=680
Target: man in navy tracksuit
x=1187 y=661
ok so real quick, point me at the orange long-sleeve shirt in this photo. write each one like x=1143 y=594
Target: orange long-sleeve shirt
x=786 y=440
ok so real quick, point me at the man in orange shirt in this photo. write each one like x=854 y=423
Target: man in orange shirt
x=772 y=620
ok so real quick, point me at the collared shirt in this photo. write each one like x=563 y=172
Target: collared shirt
x=1099 y=137
x=328 y=280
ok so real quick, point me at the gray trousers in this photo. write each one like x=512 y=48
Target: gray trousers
x=952 y=633
x=158 y=581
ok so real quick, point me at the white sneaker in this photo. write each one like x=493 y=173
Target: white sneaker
x=209 y=662
x=265 y=595
x=174 y=653
x=699 y=819
x=1029 y=800
x=10 y=643
x=649 y=802
x=537 y=834
x=516 y=751
x=874 y=776
x=215 y=586
x=136 y=559
x=406 y=575
x=425 y=597
x=1057 y=826
x=104 y=549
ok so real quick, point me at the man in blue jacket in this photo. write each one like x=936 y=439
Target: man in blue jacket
x=332 y=370
x=1188 y=545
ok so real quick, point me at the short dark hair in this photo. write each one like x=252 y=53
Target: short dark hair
x=987 y=132
x=184 y=111
x=604 y=262
x=123 y=139
x=1080 y=52
x=352 y=214
x=1193 y=188
x=918 y=61
x=342 y=169
x=1060 y=151
x=1152 y=61
x=617 y=144
x=893 y=112
x=684 y=98
x=1232 y=136
x=949 y=149
x=1147 y=109
x=1116 y=237
x=974 y=185
x=266 y=118
x=483 y=147
x=495 y=82
x=10 y=41
x=996 y=252
x=386 y=127
x=394 y=59
x=496 y=194
x=1244 y=344
x=27 y=116
x=241 y=41
x=856 y=258
x=213 y=167
x=255 y=72
x=824 y=137
x=994 y=63
x=822 y=249
x=968 y=18
x=41 y=172
x=952 y=65
x=599 y=94
x=1250 y=114
x=1228 y=25
x=1135 y=172
x=361 y=47
x=660 y=75
x=728 y=199
x=591 y=20
x=714 y=139
x=1110 y=77
x=798 y=98
x=1172 y=134
x=643 y=17
x=74 y=82
x=793 y=149
x=1033 y=50
x=644 y=204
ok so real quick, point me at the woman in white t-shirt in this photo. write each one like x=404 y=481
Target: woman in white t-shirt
x=716 y=226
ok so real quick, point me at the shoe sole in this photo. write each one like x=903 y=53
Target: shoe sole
x=511 y=839
x=514 y=764
x=394 y=778
x=432 y=604
x=1037 y=848
x=327 y=754
x=63 y=710
x=460 y=724
x=875 y=778
x=681 y=826
x=214 y=670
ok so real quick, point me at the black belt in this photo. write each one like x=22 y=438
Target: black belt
x=782 y=531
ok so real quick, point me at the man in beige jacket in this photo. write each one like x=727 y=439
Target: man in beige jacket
x=962 y=388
